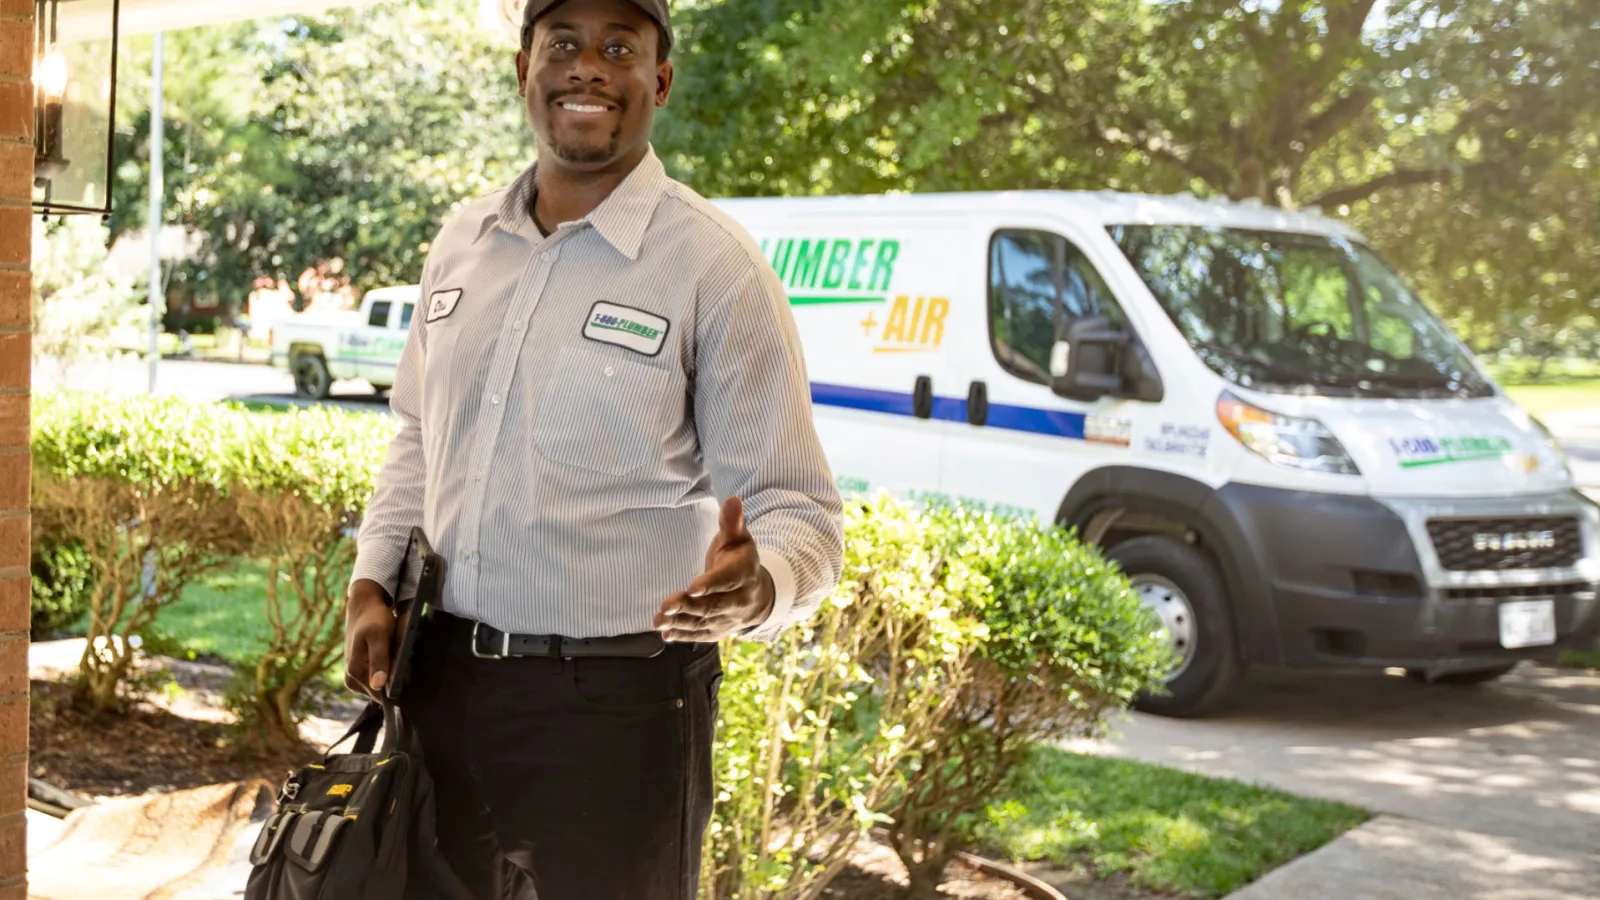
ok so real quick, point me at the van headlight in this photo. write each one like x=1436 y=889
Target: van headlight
x=1553 y=445
x=1295 y=443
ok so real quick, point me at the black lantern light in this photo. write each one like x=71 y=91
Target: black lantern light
x=74 y=105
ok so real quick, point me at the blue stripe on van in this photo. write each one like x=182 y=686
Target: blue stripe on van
x=1052 y=422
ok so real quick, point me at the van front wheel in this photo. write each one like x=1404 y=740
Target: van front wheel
x=1182 y=586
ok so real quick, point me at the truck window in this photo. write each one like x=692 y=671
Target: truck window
x=1038 y=279
x=405 y=316
x=379 y=317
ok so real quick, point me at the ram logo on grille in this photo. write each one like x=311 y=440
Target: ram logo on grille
x=1513 y=541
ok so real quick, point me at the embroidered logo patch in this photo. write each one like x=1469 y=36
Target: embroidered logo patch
x=625 y=326
x=443 y=303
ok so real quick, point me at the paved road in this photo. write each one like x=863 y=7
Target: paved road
x=1490 y=792
x=202 y=381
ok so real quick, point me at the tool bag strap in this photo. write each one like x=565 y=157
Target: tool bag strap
x=365 y=728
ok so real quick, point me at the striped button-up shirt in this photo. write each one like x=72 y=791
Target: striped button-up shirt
x=575 y=408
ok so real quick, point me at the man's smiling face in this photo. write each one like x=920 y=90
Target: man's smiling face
x=593 y=82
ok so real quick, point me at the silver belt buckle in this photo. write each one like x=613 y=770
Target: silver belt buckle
x=505 y=644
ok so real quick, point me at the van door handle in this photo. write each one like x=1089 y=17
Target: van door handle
x=922 y=398
x=978 y=403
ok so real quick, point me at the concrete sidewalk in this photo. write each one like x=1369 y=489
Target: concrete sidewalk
x=1391 y=858
x=1579 y=434
x=1489 y=792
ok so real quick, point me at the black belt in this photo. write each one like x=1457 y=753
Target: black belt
x=489 y=642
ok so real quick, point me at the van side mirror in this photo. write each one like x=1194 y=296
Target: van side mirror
x=1093 y=359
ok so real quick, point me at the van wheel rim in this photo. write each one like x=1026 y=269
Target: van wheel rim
x=1175 y=613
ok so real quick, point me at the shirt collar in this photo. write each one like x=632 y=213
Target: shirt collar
x=622 y=218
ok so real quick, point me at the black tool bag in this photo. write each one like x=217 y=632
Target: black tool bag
x=356 y=825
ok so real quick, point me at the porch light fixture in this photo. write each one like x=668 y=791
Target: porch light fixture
x=74 y=106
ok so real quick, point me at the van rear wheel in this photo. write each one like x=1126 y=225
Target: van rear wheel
x=1182 y=586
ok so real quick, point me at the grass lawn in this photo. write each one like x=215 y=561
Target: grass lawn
x=1581 y=659
x=1557 y=396
x=1163 y=829
x=222 y=616
x=219 y=617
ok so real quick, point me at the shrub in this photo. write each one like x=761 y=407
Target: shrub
x=303 y=481
x=142 y=486
x=800 y=777
x=63 y=575
x=1065 y=643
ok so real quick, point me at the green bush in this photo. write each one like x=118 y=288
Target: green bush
x=800 y=778
x=303 y=482
x=1065 y=643
x=142 y=485
x=63 y=576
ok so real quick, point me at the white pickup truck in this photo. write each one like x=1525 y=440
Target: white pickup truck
x=320 y=348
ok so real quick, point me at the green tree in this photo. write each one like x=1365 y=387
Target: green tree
x=1402 y=118
x=338 y=141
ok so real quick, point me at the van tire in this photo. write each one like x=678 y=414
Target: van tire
x=1188 y=576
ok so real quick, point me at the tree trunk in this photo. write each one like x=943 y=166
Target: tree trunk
x=926 y=876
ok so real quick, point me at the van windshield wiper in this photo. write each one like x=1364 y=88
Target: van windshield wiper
x=1296 y=375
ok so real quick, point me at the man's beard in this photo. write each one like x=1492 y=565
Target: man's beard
x=585 y=154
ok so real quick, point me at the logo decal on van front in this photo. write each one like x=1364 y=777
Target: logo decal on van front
x=1415 y=453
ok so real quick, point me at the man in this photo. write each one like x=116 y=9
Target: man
x=606 y=431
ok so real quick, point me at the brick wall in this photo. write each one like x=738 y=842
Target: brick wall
x=16 y=250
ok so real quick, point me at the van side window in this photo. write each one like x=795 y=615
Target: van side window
x=1037 y=280
x=1024 y=283
x=405 y=316
x=379 y=317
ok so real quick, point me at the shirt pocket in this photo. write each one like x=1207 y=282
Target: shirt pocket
x=602 y=413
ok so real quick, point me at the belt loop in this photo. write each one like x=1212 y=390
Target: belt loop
x=555 y=646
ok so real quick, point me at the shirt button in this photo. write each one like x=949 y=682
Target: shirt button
x=610 y=371
x=495 y=399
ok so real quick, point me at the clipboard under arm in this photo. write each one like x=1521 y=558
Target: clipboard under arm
x=419 y=592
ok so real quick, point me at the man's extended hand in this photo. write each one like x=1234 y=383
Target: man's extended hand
x=734 y=593
x=369 y=633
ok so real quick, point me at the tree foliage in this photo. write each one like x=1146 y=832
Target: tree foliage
x=1459 y=134
x=335 y=143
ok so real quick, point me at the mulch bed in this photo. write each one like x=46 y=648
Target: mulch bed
x=143 y=750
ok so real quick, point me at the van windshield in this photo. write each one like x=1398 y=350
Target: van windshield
x=1302 y=313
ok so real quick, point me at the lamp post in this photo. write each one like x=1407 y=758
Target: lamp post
x=158 y=294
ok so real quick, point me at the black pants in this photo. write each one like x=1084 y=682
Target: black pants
x=581 y=779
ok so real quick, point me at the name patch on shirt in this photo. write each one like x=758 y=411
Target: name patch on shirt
x=443 y=303
x=625 y=326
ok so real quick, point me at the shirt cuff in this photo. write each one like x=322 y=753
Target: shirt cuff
x=783 y=594
x=379 y=564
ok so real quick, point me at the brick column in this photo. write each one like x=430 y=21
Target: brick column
x=16 y=318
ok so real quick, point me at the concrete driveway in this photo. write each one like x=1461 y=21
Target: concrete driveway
x=1488 y=792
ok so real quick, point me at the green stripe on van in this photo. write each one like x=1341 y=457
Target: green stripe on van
x=818 y=301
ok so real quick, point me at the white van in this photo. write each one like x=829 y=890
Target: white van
x=1295 y=462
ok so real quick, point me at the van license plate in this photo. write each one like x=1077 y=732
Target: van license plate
x=1527 y=623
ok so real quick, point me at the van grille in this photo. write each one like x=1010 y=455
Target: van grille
x=1467 y=545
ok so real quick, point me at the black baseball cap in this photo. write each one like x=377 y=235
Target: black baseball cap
x=655 y=9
